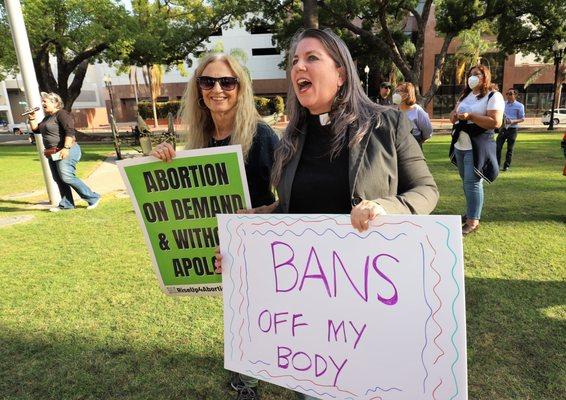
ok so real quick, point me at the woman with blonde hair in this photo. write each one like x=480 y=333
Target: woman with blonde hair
x=218 y=110
x=405 y=97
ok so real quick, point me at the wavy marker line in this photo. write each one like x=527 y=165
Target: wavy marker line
x=439 y=300
x=453 y=306
x=257 y=375
x=326 y=230
x=240 y=237
x=247 y=294
x=376 y=398
x=240 y=313
x=307 y=380
x=382 y=389
x=426 y=322
x=231 y=293
x=434 y=391
x=302 y=219
x=258 y=362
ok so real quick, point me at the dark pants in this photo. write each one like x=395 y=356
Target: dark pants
x=508 y=135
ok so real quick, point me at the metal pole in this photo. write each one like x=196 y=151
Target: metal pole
x=367 y=82
x=556 y=64
x=33 y=97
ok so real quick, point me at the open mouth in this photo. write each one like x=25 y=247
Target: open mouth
x=304 y=85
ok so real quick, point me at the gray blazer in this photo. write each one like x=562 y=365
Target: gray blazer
x=386 y=166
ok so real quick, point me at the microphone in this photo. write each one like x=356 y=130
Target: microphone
x=29 y=111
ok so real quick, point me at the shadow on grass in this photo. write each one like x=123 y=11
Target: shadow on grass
x=515 y=351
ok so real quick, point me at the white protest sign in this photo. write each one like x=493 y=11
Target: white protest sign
x=315 y=306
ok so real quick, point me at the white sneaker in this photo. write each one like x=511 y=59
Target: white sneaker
x=55 y=209
x=94 y=205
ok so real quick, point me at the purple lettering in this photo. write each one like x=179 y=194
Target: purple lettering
x=259 y=321
x=277 y=321
x=363 y=295
x=393 y=299
x=359 y=334
x=288 y=262
x=294 y=325
x=316 y=370
x=339 y=368
x=336 y=329
x=307 y=367
x=321 y=275
x=285 y=357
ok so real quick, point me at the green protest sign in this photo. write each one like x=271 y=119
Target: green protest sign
x=176 y=204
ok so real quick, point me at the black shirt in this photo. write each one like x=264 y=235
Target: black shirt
x=321 y=185
x=54 y=128
x=258 y=164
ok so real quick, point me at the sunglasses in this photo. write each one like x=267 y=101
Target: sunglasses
x=510 y=93
x=226 y=82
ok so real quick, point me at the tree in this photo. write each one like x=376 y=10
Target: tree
x=73 y=32
x=377 y=27
x=532 y=27
x=166 y=33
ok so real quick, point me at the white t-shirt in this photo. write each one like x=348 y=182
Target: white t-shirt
x=471 y=104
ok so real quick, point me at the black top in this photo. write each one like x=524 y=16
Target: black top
x=321 y=185
x=384 y=101
x=54 y=128
x=258 y=164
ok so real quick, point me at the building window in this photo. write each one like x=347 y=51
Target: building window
x=260 y=29
x=218 y=32
x=265 y=51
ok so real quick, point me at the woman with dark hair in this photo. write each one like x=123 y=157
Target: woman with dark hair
x=341 y=152
x=405 y=97
x=478 y=112
x=62 y=151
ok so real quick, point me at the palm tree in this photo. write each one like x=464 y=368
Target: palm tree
x=472 y=46
x=153 y=77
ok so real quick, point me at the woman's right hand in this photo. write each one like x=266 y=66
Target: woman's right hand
x=164 y=151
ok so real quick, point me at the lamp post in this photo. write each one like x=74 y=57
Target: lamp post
x=366 y=70
x=108 y=83
x=558 y=52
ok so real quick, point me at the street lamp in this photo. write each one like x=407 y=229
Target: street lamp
x=558 y=52
x=108 y=83
x=366 y=70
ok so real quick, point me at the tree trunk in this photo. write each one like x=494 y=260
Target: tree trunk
x=152 y=95
x=438 y=71
x=310 y=14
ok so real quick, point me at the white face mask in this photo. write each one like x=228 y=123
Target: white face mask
x=473 y=81
x=397 y=99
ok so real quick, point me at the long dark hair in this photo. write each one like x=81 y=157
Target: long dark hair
x=352 y=110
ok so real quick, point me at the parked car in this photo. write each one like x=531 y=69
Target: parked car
x=22 y=127
x=559 y=116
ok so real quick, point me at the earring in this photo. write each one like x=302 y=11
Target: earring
x=201 y=103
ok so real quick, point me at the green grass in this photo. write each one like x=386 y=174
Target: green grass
x=82 y=317
x=20 y=168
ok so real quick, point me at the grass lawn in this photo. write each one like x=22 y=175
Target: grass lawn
x=82 y=317
x=20 y=169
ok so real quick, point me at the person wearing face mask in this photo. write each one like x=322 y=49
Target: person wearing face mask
x=478 y=112
x=62 y=151
x=405 y=98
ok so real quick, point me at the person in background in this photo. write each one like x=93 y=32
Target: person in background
x=405 y=97
x=384 y=96
x=514 y=114
x=478 y=112
x=62 y=151
x=219 y=110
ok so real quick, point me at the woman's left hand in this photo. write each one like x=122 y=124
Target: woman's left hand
x=261 y=209
x=64 y=153
x=364 y=212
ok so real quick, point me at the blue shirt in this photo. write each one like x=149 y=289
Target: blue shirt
x=514 y=110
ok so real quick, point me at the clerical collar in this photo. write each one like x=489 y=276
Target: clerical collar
x=324 y=119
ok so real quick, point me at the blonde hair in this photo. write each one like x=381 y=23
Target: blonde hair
x=198 y=126
x=409 y=88
x=54 y=98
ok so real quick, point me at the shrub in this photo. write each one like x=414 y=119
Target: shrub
x=279 y=105
x=263 y=105
x=163 y=108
